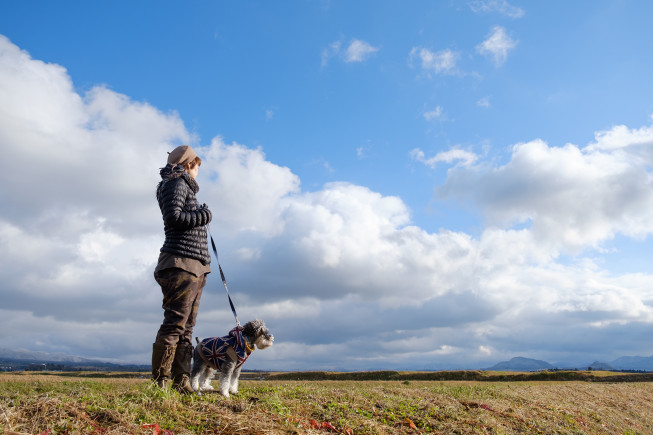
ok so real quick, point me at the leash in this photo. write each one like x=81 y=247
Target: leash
x=224 y=280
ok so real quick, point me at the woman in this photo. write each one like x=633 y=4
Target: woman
x=182 y=267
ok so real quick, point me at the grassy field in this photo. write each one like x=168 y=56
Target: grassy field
x=115 y=404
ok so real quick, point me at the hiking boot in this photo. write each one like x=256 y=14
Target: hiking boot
x=181 y=368
x=182 y=385
x=162 y=359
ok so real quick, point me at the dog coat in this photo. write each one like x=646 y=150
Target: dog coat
x=214 y=349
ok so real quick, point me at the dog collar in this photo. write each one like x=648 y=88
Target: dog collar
x=249 y=349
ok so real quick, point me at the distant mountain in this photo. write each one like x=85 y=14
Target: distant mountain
x=23 y=359
x=633 y=363
x=637 y=363
x=521 y=364
x=30 y=355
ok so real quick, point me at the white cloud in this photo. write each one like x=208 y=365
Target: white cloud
x=573 y=197
x=483 y=102
x=501 y=6
x=497 y=45
x=96 y=246
x=255 y=205
x=100 y=135
x=248 y=254
x=332 y=50
x=485 y=350
x=359 y=51
x=465 y=157
x=433 y=114
x=363 y=151
x=328 y=166
x=440 y=62
x=356 y=51
x=637 y=143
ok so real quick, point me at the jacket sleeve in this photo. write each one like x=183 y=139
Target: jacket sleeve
x=173 y=200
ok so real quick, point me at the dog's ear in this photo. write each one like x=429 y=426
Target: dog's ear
x=254 y=328
x=250 y=328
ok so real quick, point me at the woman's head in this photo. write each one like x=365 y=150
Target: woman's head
x=185 y=156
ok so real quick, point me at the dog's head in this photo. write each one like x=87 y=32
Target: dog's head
x=258 y=333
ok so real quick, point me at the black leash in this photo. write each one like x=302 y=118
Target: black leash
x=224 y=280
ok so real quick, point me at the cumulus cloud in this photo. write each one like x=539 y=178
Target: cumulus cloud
x=573 y=197
x=501 y=6
x=497 y=45
x=250 y=190
x=440 y=62
x=356 y=51
x=341 y=274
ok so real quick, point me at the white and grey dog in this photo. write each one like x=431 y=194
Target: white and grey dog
x=227 y=355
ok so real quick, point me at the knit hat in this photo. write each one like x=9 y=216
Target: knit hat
x=181 y=155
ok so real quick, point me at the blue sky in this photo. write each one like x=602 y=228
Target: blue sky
x=394 y=185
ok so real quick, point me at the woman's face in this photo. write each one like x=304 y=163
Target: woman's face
x=193 y=172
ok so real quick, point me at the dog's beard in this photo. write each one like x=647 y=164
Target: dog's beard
x=264 y=341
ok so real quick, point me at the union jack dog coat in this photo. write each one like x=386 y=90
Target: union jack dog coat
x=215 y=351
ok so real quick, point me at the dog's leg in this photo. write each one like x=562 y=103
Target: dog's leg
x=225 y=377
x=207 y=377
x=195 y=383
x=235 y=376
x=196 y=371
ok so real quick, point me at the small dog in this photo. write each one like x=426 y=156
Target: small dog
x=227 y=355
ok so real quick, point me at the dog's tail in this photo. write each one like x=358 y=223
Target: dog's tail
x=197 y=340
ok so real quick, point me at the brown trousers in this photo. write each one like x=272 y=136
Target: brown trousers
x=181 y=301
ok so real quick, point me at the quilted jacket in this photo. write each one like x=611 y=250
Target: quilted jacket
x=184 y=219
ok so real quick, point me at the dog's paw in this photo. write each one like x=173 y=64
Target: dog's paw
x=234 y=391
x=195 y=385
x=207 y=387
x=225 y=393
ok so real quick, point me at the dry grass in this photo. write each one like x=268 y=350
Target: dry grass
x=41 y=403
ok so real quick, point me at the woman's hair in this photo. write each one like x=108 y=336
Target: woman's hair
x=195 y=162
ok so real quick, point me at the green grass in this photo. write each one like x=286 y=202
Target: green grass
x=38 y=403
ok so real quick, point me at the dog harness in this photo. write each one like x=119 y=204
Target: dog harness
x=214 y=349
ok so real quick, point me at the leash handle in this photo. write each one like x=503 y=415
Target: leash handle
x=224 y=280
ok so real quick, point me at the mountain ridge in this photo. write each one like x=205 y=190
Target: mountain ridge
x=36 y=355
x=24 y=359
x=636 y=363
